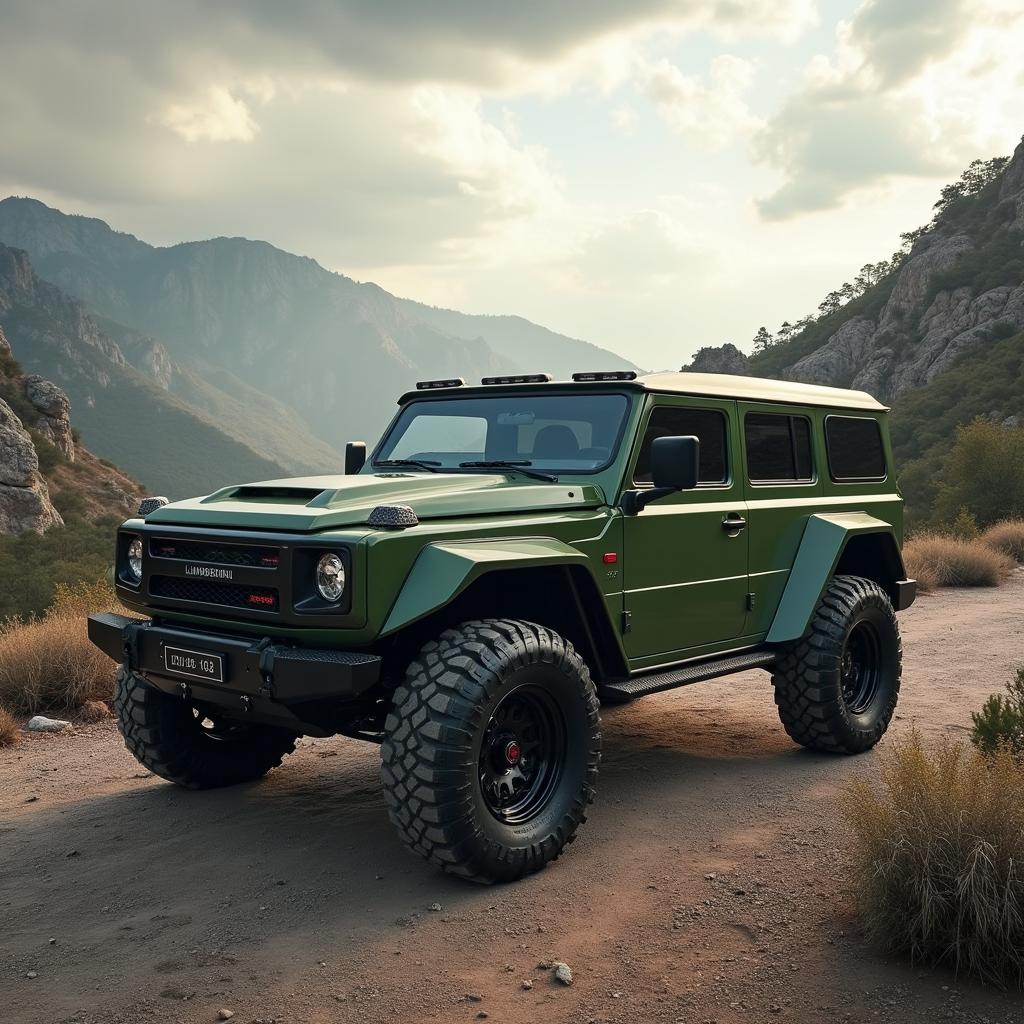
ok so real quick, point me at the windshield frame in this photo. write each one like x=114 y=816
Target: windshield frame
x=417 y=397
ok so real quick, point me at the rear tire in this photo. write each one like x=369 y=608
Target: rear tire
x=837 y=687
x=492 y=748
x=167 y=736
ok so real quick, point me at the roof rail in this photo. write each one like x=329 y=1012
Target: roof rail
x=518 y=378
x=591 y=375
x=431 y=385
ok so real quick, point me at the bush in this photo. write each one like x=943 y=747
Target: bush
x=9 y=731
x=1000 y=723
x=938 y=857
x=940 y=560
x=47 y=663
x=1008 y=537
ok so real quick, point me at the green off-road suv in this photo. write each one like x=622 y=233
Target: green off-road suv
x=510 y=555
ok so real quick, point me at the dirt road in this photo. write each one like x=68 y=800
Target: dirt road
x=710 y=884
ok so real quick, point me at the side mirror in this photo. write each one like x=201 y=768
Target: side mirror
x=674 y=462
x=674 y=465
x=355 y=457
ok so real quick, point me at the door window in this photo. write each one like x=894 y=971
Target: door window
x=778 y=448
x=854 y=448
x=707 y=425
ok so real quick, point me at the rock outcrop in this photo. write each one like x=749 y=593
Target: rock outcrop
x=725 y=358
x=54 y=421
x=24 y=497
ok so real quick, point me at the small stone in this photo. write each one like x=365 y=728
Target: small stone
x=436 y=907
x=545 y=965
x=527 y=984
x=31 y=799
x=482 y=1015
x=474 y=997
x=563 y=973
x=40 y=723
x=225 y=1014
x=53 y=942
x=710 y=876
x=31 y=974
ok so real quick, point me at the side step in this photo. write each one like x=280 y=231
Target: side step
x=693 y=672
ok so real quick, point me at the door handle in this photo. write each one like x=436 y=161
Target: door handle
x=733 y=522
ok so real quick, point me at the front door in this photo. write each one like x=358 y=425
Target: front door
x=685 y=556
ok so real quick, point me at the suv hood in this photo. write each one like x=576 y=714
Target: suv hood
x=325 y=502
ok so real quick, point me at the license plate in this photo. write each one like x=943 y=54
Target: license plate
x=195 y=664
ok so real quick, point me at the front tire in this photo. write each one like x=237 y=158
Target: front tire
x=492 y=748
x=168 y=736
x=836 y=688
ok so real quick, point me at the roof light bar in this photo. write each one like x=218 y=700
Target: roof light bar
x=604 y=375
x=518 y=378
x=431 y=385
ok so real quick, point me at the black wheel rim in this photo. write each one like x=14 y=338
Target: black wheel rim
x=522 y=755
x=861 y=667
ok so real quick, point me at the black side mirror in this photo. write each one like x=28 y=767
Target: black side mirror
x=674 y=465
x=355 y=457
x=674 y=462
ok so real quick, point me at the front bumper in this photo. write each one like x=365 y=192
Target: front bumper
x=260 y=679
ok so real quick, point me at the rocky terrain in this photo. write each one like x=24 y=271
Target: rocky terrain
x=41 y=458
x=711 y=883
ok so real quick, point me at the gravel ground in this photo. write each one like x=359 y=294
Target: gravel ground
x=710 y=884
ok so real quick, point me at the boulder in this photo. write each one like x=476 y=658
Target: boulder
x=725 y=358
x=54 y=413
x=24 y=498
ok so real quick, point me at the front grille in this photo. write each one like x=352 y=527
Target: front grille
x=254 y=555
x=231 y=595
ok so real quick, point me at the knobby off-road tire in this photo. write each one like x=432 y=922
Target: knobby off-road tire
x=837 y=687
x=166 y=736
x=492 y=748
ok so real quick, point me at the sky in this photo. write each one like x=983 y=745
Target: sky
x=649 y=175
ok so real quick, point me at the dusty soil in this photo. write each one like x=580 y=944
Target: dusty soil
x=710 y=884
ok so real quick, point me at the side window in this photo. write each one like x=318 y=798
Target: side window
x=855 y=449
x=778 y=448
x=707 y=425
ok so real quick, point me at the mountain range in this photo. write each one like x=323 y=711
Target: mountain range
x=208 y=362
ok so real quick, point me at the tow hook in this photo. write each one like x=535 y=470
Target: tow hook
x=185 y=690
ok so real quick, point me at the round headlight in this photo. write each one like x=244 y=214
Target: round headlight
x=330 y=577
x=135 y=558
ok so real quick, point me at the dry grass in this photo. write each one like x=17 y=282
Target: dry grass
x=939 y=560
x=1007 y=537
x=9 y=731
x=940 y=858
x=47 y=663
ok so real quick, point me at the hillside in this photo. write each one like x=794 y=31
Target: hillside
x=936 y=331
x=123 y=415
x=334 y=351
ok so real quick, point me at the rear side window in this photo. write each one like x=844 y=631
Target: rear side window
x=778 y=448
x=855 y=449
x=707 y=425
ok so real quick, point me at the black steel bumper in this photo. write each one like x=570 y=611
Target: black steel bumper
x=254 y=673
x=904 y=592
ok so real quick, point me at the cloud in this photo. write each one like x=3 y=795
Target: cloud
x=713 y=111
x=914 y=88
x=216 y=116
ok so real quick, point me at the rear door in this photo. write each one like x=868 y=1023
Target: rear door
x=685 y=566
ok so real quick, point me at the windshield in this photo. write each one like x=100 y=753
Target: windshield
x=557 y=433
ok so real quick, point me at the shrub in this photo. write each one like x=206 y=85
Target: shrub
x=940 y=560
x=1000 y=723
x=1008 y=537
x=47 y=663
x=9 y=731
x=965 y=526
x=938 y=857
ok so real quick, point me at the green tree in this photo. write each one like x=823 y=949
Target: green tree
x=983 y=474
x=763 y=340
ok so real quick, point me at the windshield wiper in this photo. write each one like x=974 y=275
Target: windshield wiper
x=518 y=466
x=427 y=464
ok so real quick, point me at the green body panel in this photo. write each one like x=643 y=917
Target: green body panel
x=673 y=584
x=443 y=570
x=822 y=544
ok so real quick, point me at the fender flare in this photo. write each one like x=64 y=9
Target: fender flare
x=824 y=540
x=444 y=569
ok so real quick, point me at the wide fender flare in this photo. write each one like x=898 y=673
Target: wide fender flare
x=824 y=540
x=444 y=569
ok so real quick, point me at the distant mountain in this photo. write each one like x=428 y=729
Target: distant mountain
x=254 y=321
x=122 y=414
x=939 y=334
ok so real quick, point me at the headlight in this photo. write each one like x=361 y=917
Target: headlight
x=135 y=559
x=330 y=577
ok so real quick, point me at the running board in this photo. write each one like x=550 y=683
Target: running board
x=694 y=672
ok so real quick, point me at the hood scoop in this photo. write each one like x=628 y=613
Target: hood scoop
x=279 y=495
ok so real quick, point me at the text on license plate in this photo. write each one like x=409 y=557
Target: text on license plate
x=198 y=664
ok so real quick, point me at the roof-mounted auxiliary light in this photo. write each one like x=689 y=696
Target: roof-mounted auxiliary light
x=431 y=385
x=518 y=378
x=582 y=378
